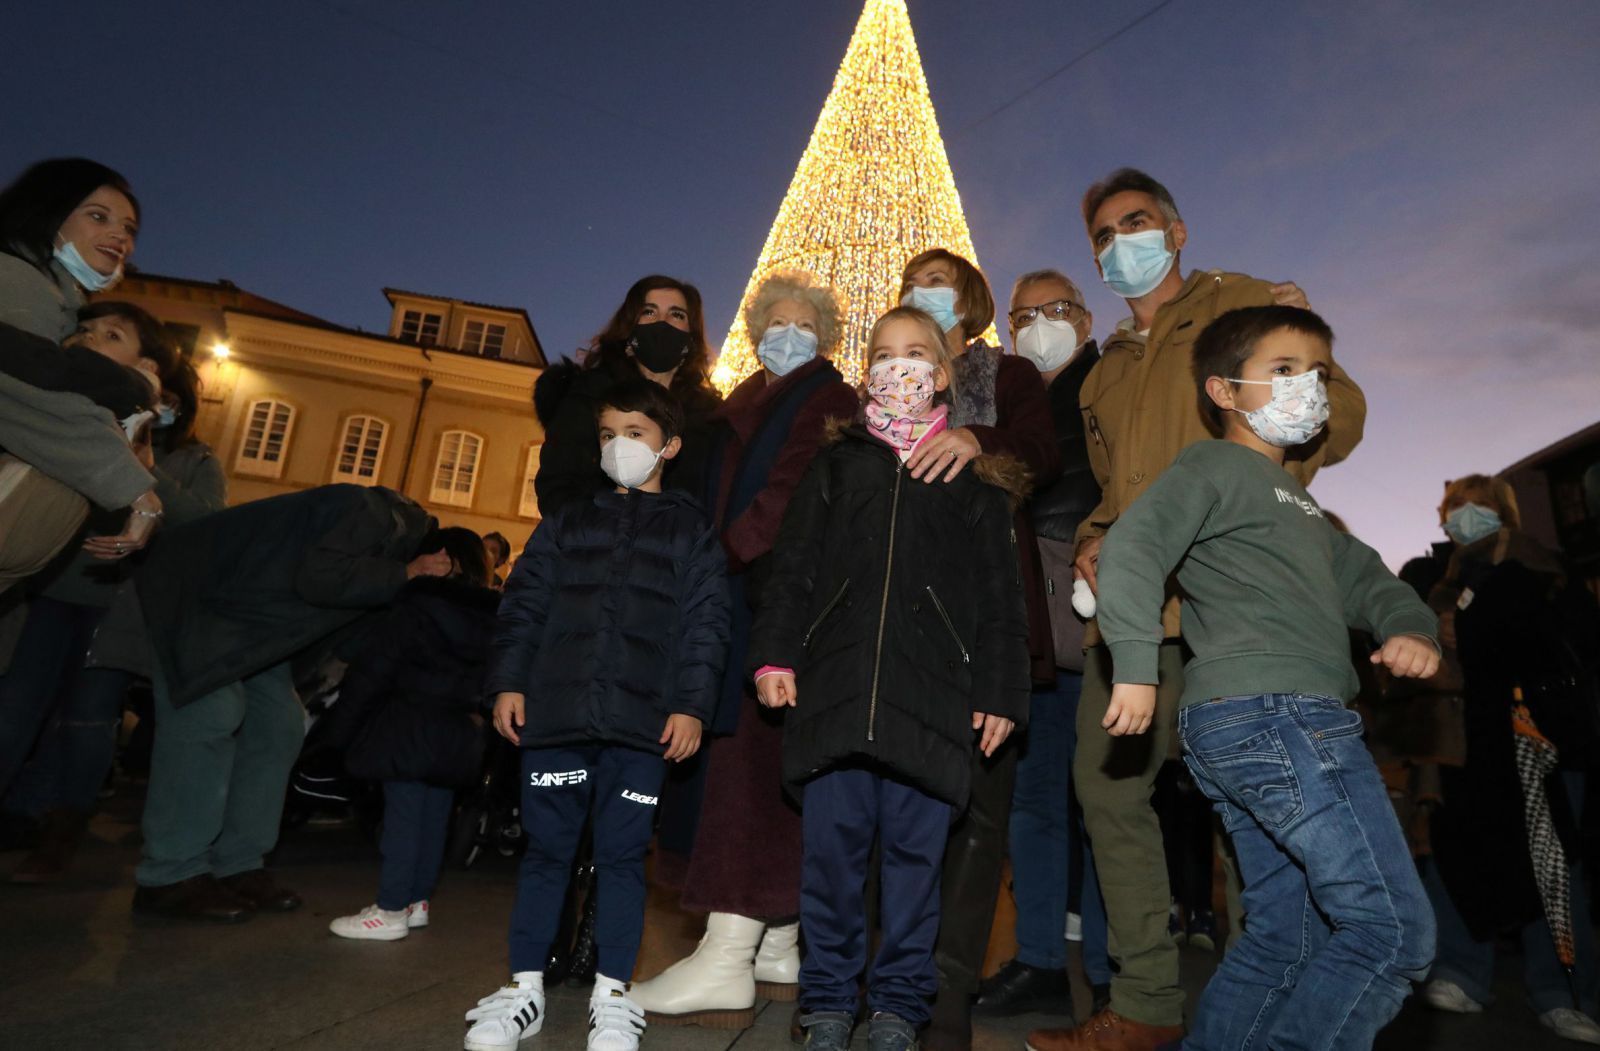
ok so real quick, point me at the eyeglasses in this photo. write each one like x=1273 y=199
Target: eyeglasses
x=1059 y=310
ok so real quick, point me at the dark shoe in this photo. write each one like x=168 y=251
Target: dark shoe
x=950 y=1028
x=62 y=831
x=258 y=891
x=1106 y=1031
x=18 y=831
x=1099 y=998
x=1019 y=989
x=1203 y=930
x=585 y=960
x=827 y=1030
x=196 y=898
x=887 y=1032
x=559 y=965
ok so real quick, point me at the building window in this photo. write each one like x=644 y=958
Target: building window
x=456 y=474
x=419 y=327
x=482 y=337
x=361 y=450
x=266 y=438
x=528 y=506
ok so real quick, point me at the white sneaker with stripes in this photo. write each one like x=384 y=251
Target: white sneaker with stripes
x=417 y=914
x=615 y=1022
x=508 y=1015
x=372 y=924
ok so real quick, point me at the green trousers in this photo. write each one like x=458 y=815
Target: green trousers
x=218 y=774
x=1115 y=778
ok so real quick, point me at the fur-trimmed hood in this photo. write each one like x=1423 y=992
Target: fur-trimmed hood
x=1003 y=472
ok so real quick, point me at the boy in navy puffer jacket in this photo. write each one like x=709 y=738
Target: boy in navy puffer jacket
x=607 y=660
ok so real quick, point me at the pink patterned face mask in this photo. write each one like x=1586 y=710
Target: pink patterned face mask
x=902 y=387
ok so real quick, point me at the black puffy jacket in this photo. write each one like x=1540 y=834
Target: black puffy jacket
x=1056 y=509
x=614 y=618
x=899 y=606
x=408 y=705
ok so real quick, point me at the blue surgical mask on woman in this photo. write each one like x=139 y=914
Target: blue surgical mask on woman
x=1470 y=523
x=785 y=348
x=166 y=415
x=1132 y=265
x=74 y=264
x=937 y=303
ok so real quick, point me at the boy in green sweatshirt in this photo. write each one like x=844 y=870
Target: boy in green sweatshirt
x=1270 y=590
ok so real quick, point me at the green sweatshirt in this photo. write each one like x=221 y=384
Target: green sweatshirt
x=1269 y=587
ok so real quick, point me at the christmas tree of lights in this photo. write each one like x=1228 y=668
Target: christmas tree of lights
x=873 y=189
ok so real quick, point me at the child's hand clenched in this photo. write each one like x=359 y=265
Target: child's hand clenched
x=682 y=737
x=508 y=716
x=1132 y=709
x=1408 y=657
x=776 y=690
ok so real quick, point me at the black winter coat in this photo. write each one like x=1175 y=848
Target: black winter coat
x=235 y=592
x=409 y=703
x=898 y=604
x=614 y=618
x=566 y=399
x=1056 y=509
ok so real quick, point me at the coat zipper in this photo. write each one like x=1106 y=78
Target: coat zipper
x=825 y=611
x=949 y=625
x=883 y=609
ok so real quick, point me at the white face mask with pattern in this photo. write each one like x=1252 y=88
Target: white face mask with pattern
x=1297 y=412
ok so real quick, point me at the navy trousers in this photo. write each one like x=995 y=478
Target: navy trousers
x=416 y=824
x=844 y=812
x=559 y=788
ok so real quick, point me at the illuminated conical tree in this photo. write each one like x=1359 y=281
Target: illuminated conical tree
x=873 y=189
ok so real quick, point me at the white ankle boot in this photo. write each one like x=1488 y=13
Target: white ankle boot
x=778 y=964
x=715 y=985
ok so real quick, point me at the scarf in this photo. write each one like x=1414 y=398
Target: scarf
x=904 y=433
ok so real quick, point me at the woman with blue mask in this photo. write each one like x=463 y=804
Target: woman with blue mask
x=744 y=868
x=1517 y=624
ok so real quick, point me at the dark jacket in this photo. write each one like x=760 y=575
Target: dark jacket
x=1057 y=508
x=614 y=618
x=566 y=399
x=235 y=592
x=898 y=605
x=408 y=705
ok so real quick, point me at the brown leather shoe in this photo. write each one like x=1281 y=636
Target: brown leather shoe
x=196 y=898
x=257 y=890
x=1107 y=1031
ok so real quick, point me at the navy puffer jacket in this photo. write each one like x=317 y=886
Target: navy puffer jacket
x=614 y=618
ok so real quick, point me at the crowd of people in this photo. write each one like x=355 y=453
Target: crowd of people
x=837 y=647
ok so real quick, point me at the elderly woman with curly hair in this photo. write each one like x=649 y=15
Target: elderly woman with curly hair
x=745 y=866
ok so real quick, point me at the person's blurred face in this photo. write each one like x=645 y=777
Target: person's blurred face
x=665 y=304
x=114 y=337
x=103 y=229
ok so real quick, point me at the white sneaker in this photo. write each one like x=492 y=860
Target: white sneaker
x=1569 y=1024
x=417 y=914
x=1442 y=995
x=508 y=1015
x=372 y=924
x=615 y=1022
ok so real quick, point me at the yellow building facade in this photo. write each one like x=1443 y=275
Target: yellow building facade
x=438 y=407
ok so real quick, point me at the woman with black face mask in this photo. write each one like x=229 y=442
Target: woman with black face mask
x=659 y=333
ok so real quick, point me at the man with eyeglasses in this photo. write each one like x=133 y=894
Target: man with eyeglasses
x=1051 y=327
x=1140 y=410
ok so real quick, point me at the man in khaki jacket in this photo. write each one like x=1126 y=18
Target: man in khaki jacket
x=1140 y=409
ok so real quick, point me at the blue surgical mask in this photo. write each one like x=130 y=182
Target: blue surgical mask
x=1132 y=265
x=938 y=303
x=1470 y=523
x=166 y=416
x=87 y=276
x=785 y=348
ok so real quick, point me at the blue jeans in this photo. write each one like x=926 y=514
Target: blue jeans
x=48 y=688
x=1046 y=833
x=416 y=823
x=1333 y=897
x=1470 y=964
x=843 y=813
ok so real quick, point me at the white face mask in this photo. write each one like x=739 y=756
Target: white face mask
x=1297 y=412
x=628 y=461
x=1049 y=342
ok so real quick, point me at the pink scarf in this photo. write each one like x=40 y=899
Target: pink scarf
x=904 y=433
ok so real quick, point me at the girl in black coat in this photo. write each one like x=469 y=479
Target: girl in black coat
x=898 y=608
x=407 y=715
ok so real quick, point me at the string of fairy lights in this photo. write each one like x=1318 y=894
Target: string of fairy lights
x=872 y=189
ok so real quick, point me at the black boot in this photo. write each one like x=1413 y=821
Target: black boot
x=585 y=960
x=1018 y=989
x=950 y=1028
x=559 y=965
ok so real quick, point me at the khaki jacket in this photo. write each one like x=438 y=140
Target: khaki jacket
x=1141 y=408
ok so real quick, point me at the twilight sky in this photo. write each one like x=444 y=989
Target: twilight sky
x=1428 y=172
